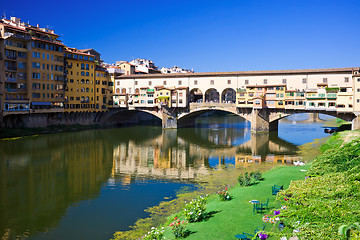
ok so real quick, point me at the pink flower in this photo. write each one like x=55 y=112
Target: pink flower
x=175 y=218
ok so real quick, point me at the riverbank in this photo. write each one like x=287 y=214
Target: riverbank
x=318 y=199
x=11 y=133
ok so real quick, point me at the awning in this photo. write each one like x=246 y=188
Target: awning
x=41 y=103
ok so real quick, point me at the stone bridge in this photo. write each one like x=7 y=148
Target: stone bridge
x=261 y=119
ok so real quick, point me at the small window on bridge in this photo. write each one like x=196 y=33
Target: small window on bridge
x=247 y=81
x=229 y=81
x=265 y=81
x=211 y=82
x=284 y=81
x=304 y=80
x=346 y=79
x=324 y=80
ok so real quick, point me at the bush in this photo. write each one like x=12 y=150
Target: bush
x=244 y=180
x=194 y=211
x=321 y=204
x=154 y=234
x=257 y=175
x=224 y=195
x=178 y=228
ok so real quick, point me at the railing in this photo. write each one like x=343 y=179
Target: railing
x=9 y=79
x=11 y=68
x=211 y=105
x=15 y=35
x=10 y=57
x=11 y=90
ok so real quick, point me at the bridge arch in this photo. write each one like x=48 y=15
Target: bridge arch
x=228 y=95
x=196 y=95
x=276 y=116
x=212 y=95
x=131 y=116
x=188 y=119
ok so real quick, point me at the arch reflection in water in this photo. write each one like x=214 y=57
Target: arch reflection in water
x=183 y=154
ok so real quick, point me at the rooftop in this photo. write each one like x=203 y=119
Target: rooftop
x=247 y=73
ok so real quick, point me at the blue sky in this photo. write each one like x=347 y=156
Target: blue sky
x=208 y=35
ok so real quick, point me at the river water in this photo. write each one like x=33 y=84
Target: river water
x=89 y=184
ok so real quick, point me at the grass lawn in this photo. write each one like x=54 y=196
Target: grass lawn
x=236 y=216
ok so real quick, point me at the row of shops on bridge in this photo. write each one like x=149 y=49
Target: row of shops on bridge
x=326 y=98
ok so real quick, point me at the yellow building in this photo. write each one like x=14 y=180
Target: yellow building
x=32 y=68
x=163 y=96
x=280 y=96
x=103 y=89
x=80 y=81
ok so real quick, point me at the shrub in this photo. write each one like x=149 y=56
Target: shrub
x=178 y=228
x=244 y=180
x=257 y=175
x=195 y=210
x=154 y=234
x=224 y=195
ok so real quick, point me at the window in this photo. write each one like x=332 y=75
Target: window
x=324 y=80
x=80 y=57
x=21 y=65
x=180 y=82
x=22 y=54
x=246 y=82
x=36 y=65
x=195 y=82
x=164 y=82
x=284 y=81
x=229 y=81
x=36 y=75
x=150 y=83
x=136 y=83
x=87 y=66
x=211 y=82
x=35 y=54
x=265 y=81
x=346 y=79
x=304 y=80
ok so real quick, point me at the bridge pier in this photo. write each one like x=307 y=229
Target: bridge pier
x=355 y=123
x=260 y=121
x=169 y=119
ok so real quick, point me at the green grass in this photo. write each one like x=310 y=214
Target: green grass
x=236 y=216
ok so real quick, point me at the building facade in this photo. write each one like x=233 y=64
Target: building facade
x=32 y=70
x=80 y=81
x=336 y=89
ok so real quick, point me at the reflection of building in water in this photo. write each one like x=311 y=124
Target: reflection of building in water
x=153 y=159
x=271 y=158
x=37 y=188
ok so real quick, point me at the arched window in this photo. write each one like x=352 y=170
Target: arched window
x=87 y=66
x=82 y=66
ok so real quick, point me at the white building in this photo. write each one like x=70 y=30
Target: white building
x=175 y=69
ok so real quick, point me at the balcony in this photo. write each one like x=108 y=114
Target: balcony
x=11 y=69
x=9 y=79
x=9 y=57
x=11 y=90
x=16 y=35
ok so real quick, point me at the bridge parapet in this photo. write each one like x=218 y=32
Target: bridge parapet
x=210 y=105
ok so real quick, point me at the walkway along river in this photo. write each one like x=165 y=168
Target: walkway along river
x=89 y=184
